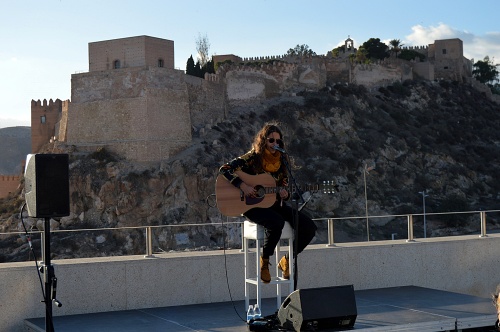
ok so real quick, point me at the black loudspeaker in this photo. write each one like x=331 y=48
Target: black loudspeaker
x=46 y=185
x=319 y=308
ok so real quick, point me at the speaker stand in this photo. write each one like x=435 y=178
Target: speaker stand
x=49 y=278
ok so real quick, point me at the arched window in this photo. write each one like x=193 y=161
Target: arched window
x=116 y=64
x=160 y=63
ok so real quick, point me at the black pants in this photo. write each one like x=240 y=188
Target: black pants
x=273 y=220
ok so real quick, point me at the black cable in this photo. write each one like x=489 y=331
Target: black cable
x=225 y=268
x=212 y=205
x=28 y=237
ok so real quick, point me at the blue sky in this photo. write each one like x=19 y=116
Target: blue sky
x=42 y=43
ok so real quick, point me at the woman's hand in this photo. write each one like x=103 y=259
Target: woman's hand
x=247 y=190
x=284 y=194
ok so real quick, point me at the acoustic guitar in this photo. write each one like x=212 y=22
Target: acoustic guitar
x=232 y=202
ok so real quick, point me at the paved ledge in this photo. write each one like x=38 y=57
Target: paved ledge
x=406 y=308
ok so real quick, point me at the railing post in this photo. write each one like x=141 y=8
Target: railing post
x=331 y=233
x=410 y=228
x=483 y=224
x=149 y=242
x=42 y=249
x=242 y=237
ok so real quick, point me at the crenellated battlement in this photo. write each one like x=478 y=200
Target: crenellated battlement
x=52 y=103
x=9 y=184
x=422 y=47
x=8 y=178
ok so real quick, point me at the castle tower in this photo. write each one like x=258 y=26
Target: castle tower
x=131 y=52
x=44 y=118
x=447 y=55
x=132 y=100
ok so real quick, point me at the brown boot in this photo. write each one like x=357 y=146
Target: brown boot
x=265 y=276
x=284 y=266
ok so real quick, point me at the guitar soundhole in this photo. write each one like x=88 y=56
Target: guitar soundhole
x=260 y=192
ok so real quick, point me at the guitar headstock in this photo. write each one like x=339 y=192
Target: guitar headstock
x=328 y=187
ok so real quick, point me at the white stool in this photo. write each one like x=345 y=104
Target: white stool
x=252 y=231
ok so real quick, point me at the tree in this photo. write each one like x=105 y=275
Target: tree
x=300 y=50
x=197 y=70
x=362 y=55
x=396 y=46
x=202 y=47
x=190 y=66
x=375 y=49
x=485 y=71
x=208 y=68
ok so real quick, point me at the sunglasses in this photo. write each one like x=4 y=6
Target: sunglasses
x=272 y=139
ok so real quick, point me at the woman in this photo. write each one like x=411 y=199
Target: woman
x=264 y=158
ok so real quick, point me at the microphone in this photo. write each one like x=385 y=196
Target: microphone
x=277 y=148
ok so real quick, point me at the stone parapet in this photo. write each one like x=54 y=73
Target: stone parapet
x=133 y=282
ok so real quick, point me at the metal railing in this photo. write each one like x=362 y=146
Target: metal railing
x=409 y=218
x=149 y=237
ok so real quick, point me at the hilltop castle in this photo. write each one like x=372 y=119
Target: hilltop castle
x=133 y=102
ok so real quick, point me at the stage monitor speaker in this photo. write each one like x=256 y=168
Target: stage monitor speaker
x=319 y=308
x=46 y=185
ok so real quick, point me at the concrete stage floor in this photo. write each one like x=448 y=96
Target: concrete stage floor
x=408 y=308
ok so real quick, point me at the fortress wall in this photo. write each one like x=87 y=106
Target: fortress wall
x=106 y=85
x=375 y=75
x=107 y=121
x=167 y=115
x=246 y=85
x=140 y=113
x=61 y=126
x=8 y=184
x=337 y=71
x=424 y=70
x=207 y=102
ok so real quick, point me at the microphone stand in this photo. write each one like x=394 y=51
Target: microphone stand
x=295 y=219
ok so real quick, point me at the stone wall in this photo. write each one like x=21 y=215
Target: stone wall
x=61 y=129
x=338 y=71
x=207 y=100
x=374 y=75
x=9 y=184
x=266 y=80
x=144 y=113
x=424 y=70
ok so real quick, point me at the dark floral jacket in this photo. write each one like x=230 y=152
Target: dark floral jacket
x=249 y=164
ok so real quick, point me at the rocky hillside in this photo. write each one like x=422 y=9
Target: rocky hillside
x=437 y=136
x=15 y=144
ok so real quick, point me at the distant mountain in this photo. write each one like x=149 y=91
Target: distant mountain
x=15 y=144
